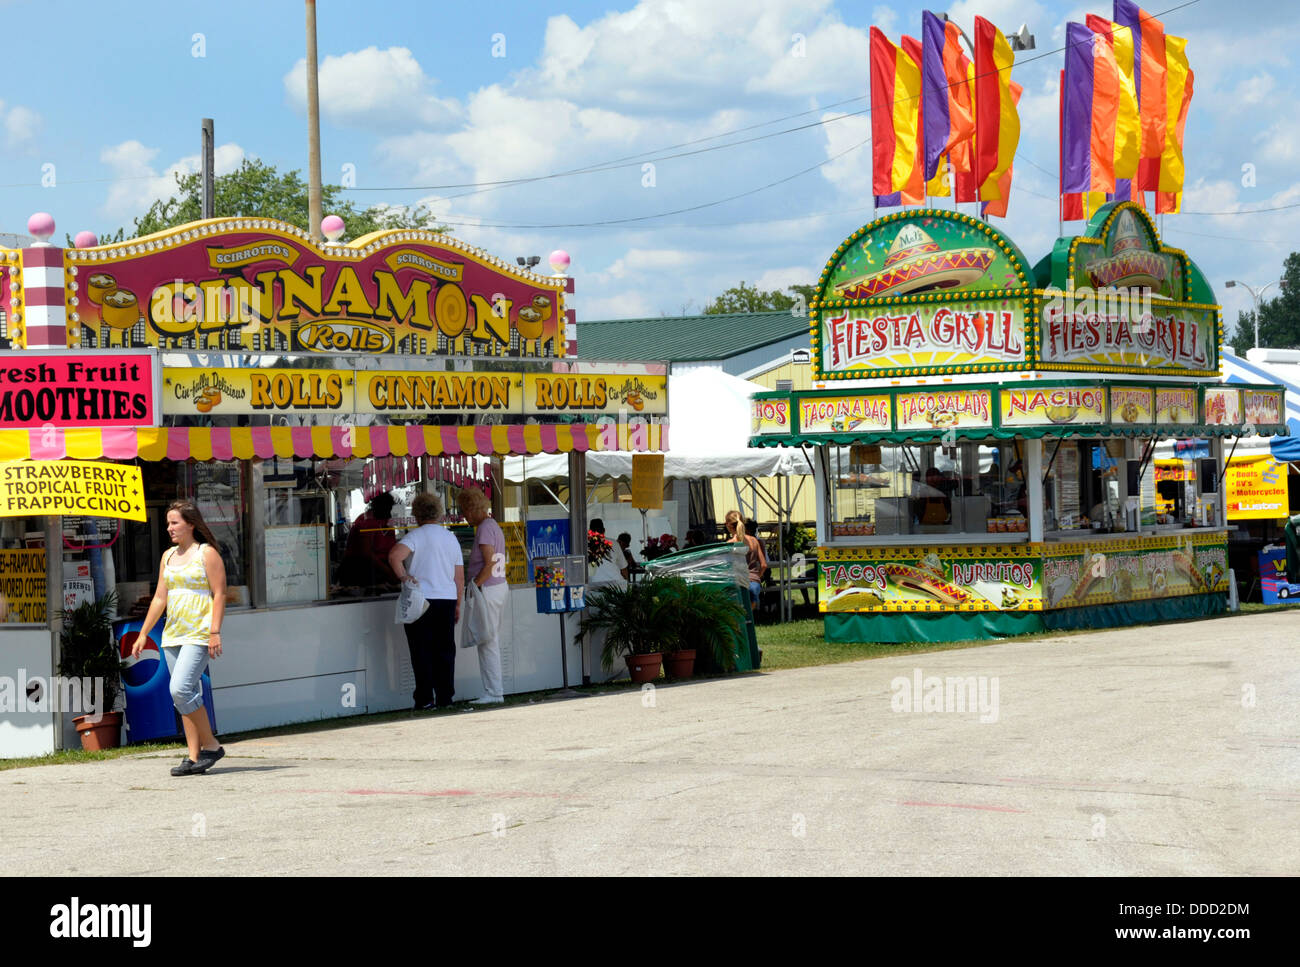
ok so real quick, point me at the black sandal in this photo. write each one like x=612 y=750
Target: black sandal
x=208 y=758
x=186 y=768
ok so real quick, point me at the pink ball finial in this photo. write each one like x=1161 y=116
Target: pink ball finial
x=85 y=240
x=41 y=225
x=331 y=226
x=559 y=260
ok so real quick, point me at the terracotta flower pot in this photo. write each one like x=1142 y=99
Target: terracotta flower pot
x=104 y=734
x=680 y=664
x=644 y=668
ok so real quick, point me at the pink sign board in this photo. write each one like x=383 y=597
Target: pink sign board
x=78 y=389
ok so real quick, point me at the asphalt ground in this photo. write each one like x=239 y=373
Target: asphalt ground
x=1169 y=750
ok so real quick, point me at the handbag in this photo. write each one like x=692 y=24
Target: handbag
x=476 y=622
x=411 y=603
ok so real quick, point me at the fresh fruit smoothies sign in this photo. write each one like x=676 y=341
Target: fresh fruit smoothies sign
x=256 y=285
x=1064 y=405
x=920 y=579
x=78 y=390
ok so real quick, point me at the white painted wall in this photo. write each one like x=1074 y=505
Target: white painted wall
x=25 y=654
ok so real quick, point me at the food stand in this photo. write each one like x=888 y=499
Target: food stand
x=294 y=385
x=982 y=430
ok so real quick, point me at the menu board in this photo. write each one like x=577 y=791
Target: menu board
x=840 y=414
x=297 y=564
x=771 y=416
x=1263 y=407
x=1222 y=406
x=940 y=409
x=1061 y=405
x=1131 y=404
x=1175 y=405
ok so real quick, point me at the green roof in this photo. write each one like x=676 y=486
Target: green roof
x=687 y=338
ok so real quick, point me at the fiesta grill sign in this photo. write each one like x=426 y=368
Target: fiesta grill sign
x=273 y=291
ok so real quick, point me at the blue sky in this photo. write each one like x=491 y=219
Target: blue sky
x=421 y=96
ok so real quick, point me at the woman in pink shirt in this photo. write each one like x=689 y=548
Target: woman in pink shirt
x=487 y=569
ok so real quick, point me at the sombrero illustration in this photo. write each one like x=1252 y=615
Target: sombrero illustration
x=915 y=264
x=1132 y=264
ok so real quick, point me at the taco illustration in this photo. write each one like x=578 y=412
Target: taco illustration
x=916 y=264
x=853 y=599
x=941 y=418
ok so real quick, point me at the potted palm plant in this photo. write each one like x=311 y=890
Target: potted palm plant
x=710 y=621
x=88 y=652
x=638 y=622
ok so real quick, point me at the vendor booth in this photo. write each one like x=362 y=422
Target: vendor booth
x=983 y=430
x=301 y=394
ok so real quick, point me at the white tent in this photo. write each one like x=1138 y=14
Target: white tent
x=709 y=418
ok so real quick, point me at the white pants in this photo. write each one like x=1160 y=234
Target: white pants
x=489 y=653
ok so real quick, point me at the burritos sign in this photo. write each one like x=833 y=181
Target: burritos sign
x=259 y=285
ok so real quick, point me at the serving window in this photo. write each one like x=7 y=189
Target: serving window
x=926 y=489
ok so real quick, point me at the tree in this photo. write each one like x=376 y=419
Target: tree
x=748 y=298
x=257 y=190
x=1279 y=317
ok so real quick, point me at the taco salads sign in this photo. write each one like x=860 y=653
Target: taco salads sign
x=264 y=286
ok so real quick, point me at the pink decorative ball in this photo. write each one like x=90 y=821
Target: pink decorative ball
x=559 y=260
x=331 y=226
x=85 y=240
x=41 y=225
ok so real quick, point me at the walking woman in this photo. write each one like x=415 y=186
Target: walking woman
x=439 y=569
x=755 y=559
x=192 y=590
x=487 y=569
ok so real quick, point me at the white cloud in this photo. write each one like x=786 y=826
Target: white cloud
x=851 y=172
x=21 y=127
x=781 y=279
x=374 y=89
x=137 y=185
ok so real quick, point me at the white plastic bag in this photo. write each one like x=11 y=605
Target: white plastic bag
x=411 y=603
x=475 y=628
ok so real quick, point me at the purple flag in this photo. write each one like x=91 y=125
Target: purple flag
x=934 y=92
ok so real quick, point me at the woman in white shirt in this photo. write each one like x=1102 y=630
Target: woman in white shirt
x=438 y=566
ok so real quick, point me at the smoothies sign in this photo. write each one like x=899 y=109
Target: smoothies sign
x=263 y=286
x=78 y=389
x=1063 y=405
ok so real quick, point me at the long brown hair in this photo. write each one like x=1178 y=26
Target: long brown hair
x=189 y=512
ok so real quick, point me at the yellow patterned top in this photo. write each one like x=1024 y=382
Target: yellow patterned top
x=189 y=603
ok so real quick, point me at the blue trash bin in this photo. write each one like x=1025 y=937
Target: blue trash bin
x=146 y=682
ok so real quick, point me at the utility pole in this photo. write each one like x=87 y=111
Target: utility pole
x=314 y=213
x=209 y=185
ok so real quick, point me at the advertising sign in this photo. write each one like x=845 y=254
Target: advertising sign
x=78 y=389
x=71 y=487
x=928 y=579
x=647 y=480
x=1133 y=570
x=596 y=393
x=1263 y=407
x=1274 y=588
x=1128 y=337
x=1131 y=404
x=1063 y=405
x=222 y=392
x=940 y=409
x=841 y=414
x=22 y=583
x=1175 y=405
x=948 y=335
x=258 y=285
x=1222 y=406
x=546 y=538
x=770 y=416
x=1257 y=488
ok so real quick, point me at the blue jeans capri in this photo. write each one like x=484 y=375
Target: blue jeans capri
x=187 y=678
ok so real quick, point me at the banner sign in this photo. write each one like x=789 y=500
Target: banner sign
x=1175 y=405
x=843 y=414
x=191 y=391
x=928 y=579
x=262 y=286
x=22 y=583
x=1222 y=406
x=647 y=481
x=1263 y=407
x=78 y=390
x=948 y=335
x=71 y=487
x=1167 y=339
x=1063 y=405
x=1257 y=488
x=1131 y=405
x=770 y=416
x=940 y=409
x=1133 y=570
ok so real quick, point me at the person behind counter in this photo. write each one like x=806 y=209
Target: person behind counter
x=630 y=566
x=487 y=569
x=755 y=559
x=438 y=568
x=371 y=538
x=192 y=590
